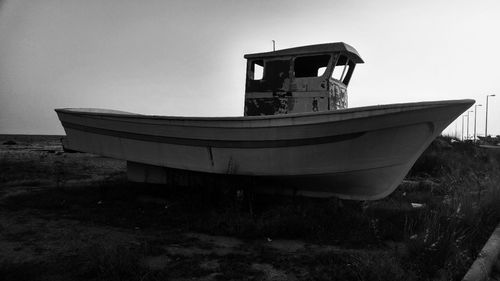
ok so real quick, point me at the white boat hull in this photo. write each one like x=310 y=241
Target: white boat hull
x=358 y=153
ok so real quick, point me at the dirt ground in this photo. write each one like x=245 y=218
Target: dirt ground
x=74 y=216
x=64 y=217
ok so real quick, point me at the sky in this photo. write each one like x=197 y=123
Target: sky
x=185 y=58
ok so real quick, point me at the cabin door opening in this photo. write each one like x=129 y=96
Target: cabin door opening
x=278 y=81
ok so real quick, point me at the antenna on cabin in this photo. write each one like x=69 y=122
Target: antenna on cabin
x=274 y=49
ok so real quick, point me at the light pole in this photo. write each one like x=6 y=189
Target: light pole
x=468 y=113
x=475 y=116
x=463 y=116
x=486 y=125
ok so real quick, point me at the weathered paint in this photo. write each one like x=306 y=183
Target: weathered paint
x=337 y=95
x=280 y=92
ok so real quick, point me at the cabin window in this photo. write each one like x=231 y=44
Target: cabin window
x=311 y=66
x=341 y=68
x=257 y=70
x=277 y=70
x=321 y=71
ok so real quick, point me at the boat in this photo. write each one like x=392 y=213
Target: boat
x=297 y=134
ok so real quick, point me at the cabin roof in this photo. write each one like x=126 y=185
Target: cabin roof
x=312 y=49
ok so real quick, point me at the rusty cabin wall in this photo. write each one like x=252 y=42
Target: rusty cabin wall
x=280 y=92
x=337 y=95
x=338 y=89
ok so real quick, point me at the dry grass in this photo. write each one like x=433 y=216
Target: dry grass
x=458 y=183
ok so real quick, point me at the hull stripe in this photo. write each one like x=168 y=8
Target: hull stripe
x=214 y=143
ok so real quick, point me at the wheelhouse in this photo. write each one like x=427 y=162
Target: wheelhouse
x=302 y=79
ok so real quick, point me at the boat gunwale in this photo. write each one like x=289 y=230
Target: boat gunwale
x=80 y=111
x=295 y=120
x=294 y=125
